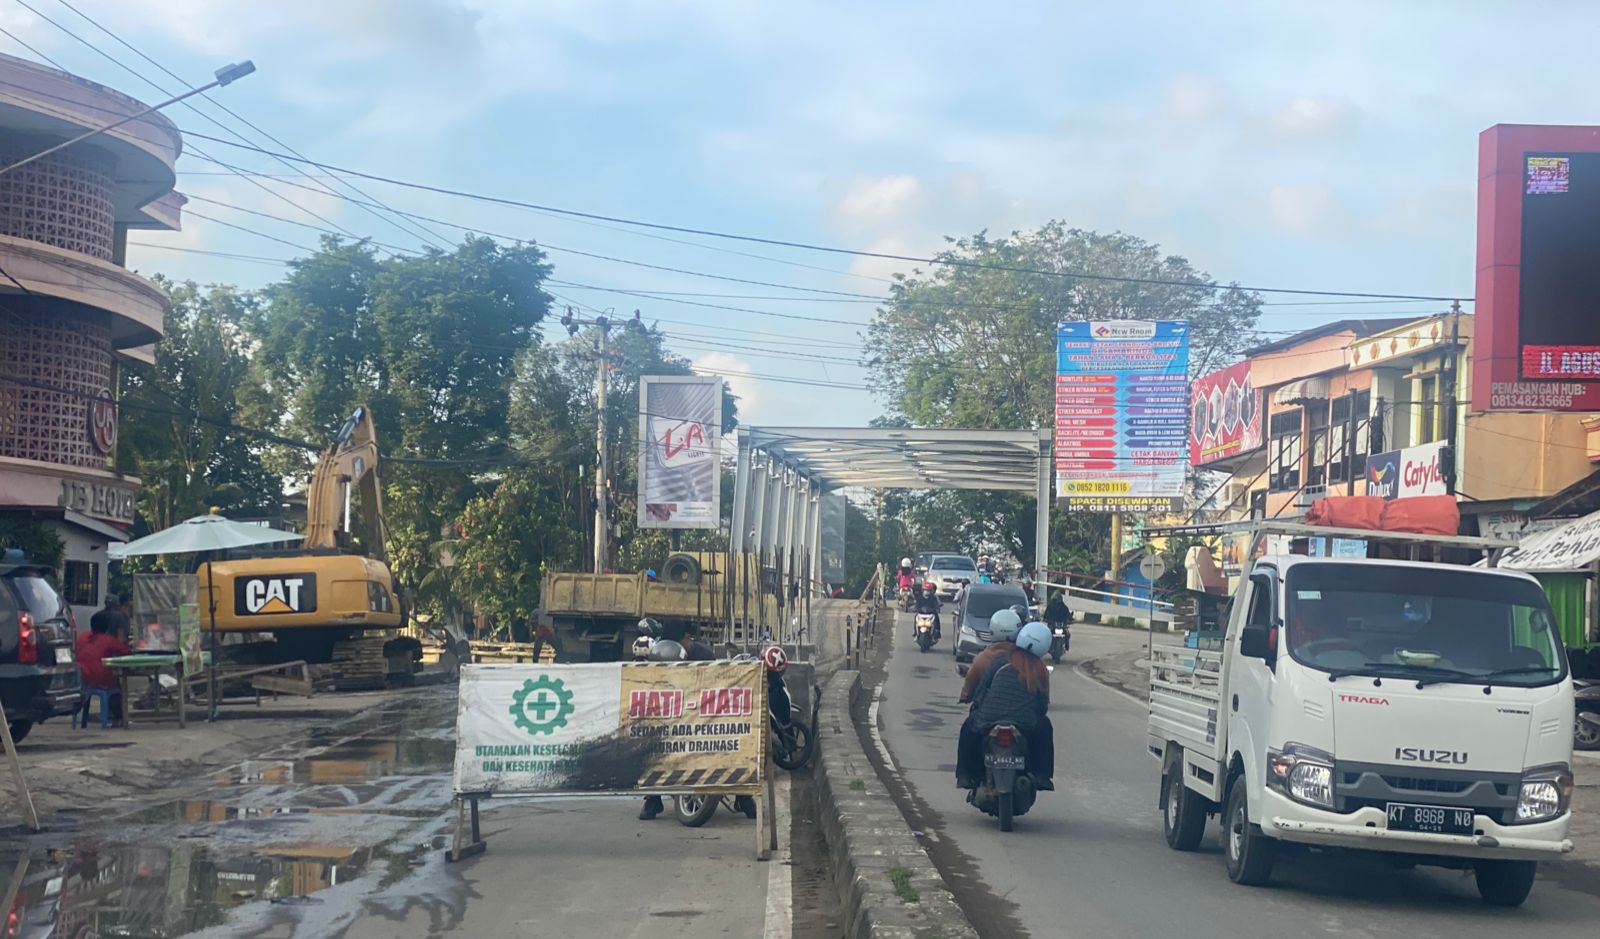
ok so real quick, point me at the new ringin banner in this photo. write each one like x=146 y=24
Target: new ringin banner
x=611 y=728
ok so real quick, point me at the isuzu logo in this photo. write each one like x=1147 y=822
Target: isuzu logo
x=1424 y=755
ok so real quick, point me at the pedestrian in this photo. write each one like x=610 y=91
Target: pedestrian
x=114 y=616
x=92 y=649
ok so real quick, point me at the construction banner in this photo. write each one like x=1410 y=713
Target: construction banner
x=617 y=727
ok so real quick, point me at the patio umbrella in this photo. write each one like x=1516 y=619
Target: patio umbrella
x=206 y=534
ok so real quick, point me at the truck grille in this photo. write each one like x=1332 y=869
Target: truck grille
x=1361 y=785
x=1419 y=784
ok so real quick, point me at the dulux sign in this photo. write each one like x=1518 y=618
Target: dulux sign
x=1414 y=471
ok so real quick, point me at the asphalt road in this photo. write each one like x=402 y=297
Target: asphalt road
x=1089 y=859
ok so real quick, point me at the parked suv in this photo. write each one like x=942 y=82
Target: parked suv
x=972 y=623
x=38 y=674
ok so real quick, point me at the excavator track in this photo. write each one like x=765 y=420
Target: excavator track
x=359 y=664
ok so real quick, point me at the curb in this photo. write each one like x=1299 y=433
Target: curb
x=868 y=838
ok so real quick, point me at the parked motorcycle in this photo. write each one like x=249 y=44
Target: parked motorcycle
x=695 y=809
x=1586 y=732
x=924 y=631
x=1008 y=789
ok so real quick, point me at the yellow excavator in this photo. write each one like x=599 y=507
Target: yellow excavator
x=324 y=601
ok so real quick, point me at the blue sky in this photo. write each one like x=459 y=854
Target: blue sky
x=1319 y=146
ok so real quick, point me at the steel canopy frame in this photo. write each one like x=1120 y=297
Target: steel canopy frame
x=782 y=473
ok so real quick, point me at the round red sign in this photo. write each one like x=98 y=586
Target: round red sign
x=103 y=423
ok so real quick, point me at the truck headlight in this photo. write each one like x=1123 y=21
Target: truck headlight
x=1304 y=774
x=1546 y=794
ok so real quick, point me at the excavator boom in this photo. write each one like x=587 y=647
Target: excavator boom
x=352 y=460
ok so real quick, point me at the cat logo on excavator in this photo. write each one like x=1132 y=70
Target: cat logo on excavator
x=278 y=593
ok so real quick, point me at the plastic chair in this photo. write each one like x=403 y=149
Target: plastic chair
x=80 y=717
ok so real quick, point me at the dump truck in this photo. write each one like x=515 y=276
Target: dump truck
x=596 y=616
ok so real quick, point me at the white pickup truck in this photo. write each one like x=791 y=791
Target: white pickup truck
x=1419 y=709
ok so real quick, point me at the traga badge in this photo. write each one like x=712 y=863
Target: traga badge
x=275 y=593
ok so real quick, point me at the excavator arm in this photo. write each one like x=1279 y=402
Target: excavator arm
x=352 y=461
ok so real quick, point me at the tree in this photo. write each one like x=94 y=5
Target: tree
x=431 y=343
x=972 y=344
x=175 y=416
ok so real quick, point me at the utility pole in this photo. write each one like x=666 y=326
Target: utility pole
x=602 y=464
x=1448 y=376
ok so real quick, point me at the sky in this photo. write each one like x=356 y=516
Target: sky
x=1317 y=146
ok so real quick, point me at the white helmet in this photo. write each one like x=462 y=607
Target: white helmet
x=1034 y=639
x=905 y=562
x=1003 y=625
x=641 y=647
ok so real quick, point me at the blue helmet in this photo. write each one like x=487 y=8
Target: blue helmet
x=1034 y=639
x=1003 y=625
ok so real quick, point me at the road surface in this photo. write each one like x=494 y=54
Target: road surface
x=1090 y=861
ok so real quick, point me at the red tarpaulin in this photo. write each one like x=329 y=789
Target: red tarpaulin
x=1422 y=515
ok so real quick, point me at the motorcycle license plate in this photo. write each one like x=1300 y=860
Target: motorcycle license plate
x=63 y=656
x=1005 y=761
x=1060 y=633
x=1431 y=819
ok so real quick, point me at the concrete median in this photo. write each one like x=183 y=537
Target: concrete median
x=888 y=886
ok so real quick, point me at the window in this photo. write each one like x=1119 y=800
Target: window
x=80 y=583
x=1284 y=451
x=1362 y=406
x=1317 y=443
x=1260 y=600
x=1427 y=430
x=954 y=564
x=1339 y=441
x=1258 y=504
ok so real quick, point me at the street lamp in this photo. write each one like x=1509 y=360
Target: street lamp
x=226 y=75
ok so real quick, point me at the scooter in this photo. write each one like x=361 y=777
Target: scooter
x=1586 y=731
x=1008 y=788
x=924 y=631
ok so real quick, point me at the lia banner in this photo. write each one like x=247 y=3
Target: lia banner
x=610 y=728
x=680 y=429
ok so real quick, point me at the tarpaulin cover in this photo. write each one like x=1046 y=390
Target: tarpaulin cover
x=1347 y=512
x=1423 y=515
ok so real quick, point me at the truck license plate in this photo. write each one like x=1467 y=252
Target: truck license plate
x=1004 y=761
x=1433 y=819
x=63 y=656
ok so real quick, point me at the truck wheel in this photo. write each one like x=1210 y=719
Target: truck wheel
x=1183 y=817
x=1504 y=883
x=1250 y=853
x=19 y=729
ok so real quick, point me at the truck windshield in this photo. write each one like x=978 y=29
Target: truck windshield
x=1438 y=624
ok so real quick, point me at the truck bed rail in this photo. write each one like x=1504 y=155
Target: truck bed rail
x=1185 y=696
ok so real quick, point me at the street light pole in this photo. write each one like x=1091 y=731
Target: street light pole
x=226 y=75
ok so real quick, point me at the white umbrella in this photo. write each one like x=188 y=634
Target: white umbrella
x=207 y=534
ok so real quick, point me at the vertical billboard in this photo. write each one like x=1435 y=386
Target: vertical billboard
x=1537 y=343
x=1122 y=408
x=1224 y=415
x=680 y=437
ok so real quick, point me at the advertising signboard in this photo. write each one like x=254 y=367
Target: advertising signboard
x=680 y=434
x=1414 y=471
x=1224 y=415
x=1122 y=406
x=611 y=728
x=1537 y=342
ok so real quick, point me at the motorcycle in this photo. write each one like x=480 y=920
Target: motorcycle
x=1060 y=642
x=1586 y=732
x=695 y=809
x=924 y=631
x=1008 y=789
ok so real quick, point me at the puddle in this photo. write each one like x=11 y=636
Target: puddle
x=347 y=763
x=161 y=891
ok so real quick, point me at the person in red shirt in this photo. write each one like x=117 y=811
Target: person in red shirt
x=93 y=648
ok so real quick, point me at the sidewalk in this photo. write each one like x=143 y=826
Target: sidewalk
x=1129 y=672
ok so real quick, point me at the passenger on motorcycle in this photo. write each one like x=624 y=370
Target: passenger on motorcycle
x=1014 y=689
x=928 y=603
x=1003 y=627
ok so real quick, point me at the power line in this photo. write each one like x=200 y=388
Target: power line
x=829 y=249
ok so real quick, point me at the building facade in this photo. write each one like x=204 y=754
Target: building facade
x=71 y=315
x=1378 y=407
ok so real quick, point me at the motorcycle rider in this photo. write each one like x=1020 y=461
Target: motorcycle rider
x=928 y=603
x=1014 y=689
x=1003 y=627
x=907 y=576
x=658 y=650
x=1056 y=613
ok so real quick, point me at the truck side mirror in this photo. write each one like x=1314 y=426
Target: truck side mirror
x=1259 y=641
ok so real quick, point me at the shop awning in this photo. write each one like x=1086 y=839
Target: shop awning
x=1302 y=391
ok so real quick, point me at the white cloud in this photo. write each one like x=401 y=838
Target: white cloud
x=737 y=373
x=1193 y=99
x=1309 y=118
x=1302 y=210
x=874 y=201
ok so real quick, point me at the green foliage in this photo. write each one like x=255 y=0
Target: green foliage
x=202 y=367
x=964 y=346
x=37 y=541
x=509 y=538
